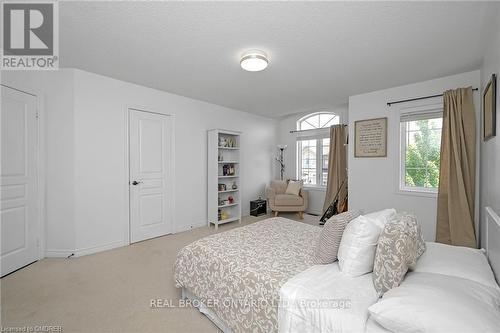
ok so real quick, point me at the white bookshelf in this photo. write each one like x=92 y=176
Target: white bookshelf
x=223 y=153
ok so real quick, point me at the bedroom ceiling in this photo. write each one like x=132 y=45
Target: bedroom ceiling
x=319 y=53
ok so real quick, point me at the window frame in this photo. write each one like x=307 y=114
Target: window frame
x=432 y=112
x=317 y=134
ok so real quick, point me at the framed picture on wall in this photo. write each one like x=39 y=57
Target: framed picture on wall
x=370 y=138
x=490 y=109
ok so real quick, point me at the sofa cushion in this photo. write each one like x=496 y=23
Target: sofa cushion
x=279 y=186
x=288 y=200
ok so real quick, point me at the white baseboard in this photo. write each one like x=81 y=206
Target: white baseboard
x=98 y=248
x=181 y=228
x=53 y=253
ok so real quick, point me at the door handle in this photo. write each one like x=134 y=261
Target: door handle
x=135 y=182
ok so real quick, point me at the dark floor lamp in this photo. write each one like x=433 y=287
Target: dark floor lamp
x=281 y=160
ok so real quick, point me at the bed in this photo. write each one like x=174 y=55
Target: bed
x=261 y=278
x=235 y=276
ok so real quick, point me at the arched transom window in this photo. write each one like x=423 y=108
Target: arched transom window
x=313 y=147
x=318 y=120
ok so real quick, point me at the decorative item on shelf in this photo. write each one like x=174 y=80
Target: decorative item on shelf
x=228 y=170
x=222 y=141
x=224 y=214
x=234 y=186
x=230 y=199
x=221 y=156
x=220 y=201
x=281 y=160
x=222 y=187
x=219 y=215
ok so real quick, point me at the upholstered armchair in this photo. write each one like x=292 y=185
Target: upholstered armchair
x=279 y=201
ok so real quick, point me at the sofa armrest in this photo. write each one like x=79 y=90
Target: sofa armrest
x=270 y=195
x=305 y=195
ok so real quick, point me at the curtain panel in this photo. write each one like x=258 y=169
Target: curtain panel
x=456 y=194
x=337 y=164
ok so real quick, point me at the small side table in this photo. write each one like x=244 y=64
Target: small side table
x=258 y=207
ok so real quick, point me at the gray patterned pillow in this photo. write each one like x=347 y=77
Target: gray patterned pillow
x=331 y=234
x=415 y=231
x=399 y=246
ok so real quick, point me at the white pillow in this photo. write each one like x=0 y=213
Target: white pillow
x=458 y=261
x=359 y=242
x=427 y=302
x=381 y=217
x=293 y=187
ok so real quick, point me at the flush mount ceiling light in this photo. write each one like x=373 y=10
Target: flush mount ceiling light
x=254 y=61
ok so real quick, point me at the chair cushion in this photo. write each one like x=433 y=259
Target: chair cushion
x=288 y=200
x=279 y=186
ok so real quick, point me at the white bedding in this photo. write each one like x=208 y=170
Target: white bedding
x=322 y=299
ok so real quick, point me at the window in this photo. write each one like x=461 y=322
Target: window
x=420 y=150
x=313 y=147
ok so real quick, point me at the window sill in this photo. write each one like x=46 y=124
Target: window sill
x=417 y=192
x=315 y=188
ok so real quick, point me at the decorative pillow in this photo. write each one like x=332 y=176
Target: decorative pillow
x=415 y=231
x=359 y=242
x=396 y=250
x=459 y=261
x=330 y=237
x=427 y=302
x=293 y=187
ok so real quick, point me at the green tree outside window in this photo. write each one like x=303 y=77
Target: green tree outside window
x=423 y=145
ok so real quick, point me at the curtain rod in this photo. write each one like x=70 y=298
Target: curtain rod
x=419 y=98
x=313 y=129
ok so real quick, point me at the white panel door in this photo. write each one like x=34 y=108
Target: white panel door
x=18 y=181
x=150 y=174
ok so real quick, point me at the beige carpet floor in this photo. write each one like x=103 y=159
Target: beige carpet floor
x=109 y=291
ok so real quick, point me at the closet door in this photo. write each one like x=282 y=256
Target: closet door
x=150 y=156
x=18 y=181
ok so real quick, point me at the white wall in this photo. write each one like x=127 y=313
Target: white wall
x=287 y=124
x=86 y=128
x=490 y=150
x=100 y=128
x=373 y=182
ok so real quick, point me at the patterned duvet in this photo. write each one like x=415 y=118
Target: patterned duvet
x=238 y=273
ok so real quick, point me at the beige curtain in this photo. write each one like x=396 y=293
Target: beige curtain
x=337 y=172
x=455 y=216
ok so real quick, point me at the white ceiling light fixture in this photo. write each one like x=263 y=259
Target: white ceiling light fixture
x=254 y=61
